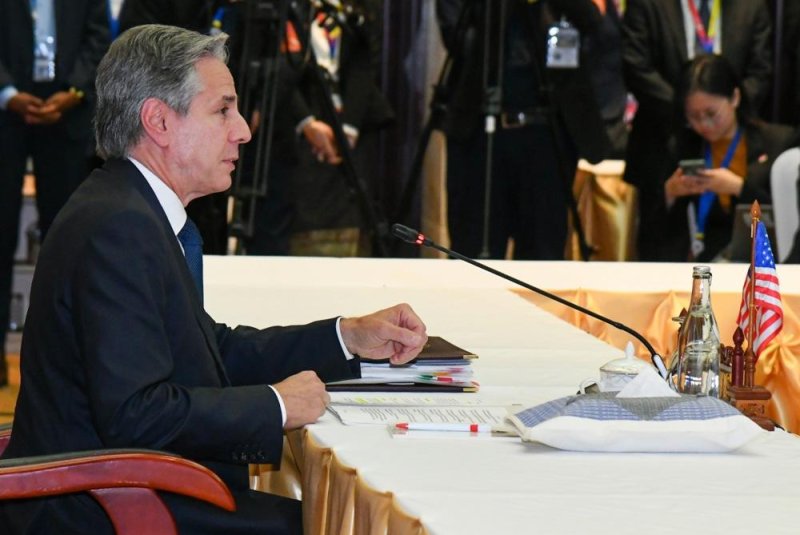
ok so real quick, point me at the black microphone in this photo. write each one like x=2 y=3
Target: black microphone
x=417 y=238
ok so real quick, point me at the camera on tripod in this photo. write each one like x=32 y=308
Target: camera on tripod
x=345 y=13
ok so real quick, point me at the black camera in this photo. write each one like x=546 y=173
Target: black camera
x=346 y=14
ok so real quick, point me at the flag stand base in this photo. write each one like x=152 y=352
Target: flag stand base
x=752 y=402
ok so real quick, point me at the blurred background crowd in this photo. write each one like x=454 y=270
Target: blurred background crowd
x=474 y=114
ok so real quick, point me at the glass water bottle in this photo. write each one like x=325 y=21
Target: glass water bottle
x=675 y=356
x=699 y=343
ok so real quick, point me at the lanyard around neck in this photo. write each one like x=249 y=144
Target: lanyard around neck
x=708 y=197
x=706 y=35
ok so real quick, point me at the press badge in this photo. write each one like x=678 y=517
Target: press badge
x=563 y=46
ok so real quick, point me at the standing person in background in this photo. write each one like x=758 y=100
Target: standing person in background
x=190 y=14
x=313 y=209
x=49 y=50
x=787 y=65
x=738 y=150
x=658 y=38
x=604 y=46
x=532 y=168
x=794 y=254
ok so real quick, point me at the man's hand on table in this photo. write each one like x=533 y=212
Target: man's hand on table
x=395 y=333
x=304 y=397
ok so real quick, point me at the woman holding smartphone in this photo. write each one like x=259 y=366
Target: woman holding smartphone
x=737 y=151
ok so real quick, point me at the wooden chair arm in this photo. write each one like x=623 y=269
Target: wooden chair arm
x=122 y=481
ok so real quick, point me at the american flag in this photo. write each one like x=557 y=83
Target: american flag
x=769 y=312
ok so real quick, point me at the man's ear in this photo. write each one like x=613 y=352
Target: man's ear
x=154 y=115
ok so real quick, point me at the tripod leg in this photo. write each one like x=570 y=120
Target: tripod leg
x=257 y=84
x=567 y=168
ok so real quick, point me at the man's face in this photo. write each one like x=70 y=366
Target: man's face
x=205 y=142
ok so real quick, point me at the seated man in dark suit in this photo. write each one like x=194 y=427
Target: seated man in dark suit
x=118 y=351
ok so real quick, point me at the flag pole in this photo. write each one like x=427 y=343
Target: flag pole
x=750 y=356
x=750 y=399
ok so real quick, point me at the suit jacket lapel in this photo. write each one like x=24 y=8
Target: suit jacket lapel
x=728 y=23
x=673 y=10
x=127 y=169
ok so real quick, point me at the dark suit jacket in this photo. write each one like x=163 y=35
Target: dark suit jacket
x=190 y=14
x=765 y=142
x=572 y=94
x=119 y=353
x=794 y=255
x=82 y=39
x=654 y=55
x=364 y=106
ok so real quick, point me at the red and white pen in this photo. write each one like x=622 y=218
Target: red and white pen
x=432 y=426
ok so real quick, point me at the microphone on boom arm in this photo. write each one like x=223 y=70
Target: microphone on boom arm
x=417 y=238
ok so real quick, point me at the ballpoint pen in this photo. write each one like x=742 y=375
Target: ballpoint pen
x=433 y=426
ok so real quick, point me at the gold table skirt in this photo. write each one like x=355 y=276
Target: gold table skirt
x=777 y=369
x=607 y=209
x=336 y=501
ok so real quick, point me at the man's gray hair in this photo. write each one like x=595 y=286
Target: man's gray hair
x=150 y=61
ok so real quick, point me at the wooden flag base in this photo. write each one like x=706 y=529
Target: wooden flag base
x=752 y=402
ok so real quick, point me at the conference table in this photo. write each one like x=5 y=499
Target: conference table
x=363 y=479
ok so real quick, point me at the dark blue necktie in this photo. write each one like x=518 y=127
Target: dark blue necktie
x=192 y=242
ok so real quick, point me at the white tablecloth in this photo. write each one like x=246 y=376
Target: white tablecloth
x=482 y=485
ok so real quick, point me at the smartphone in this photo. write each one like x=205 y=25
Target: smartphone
x=692 y=166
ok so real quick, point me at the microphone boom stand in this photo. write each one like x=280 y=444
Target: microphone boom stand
x=412 y=236
x=257 y=85
x=493 y=100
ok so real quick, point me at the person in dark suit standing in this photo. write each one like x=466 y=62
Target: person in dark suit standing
x=659 y=37
x=311 y=207
x=785 y=106
x=794 y=254
x=605 y=70
x=540 y=133
x=190 y=14
x=118 y=351
x=49 y=50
